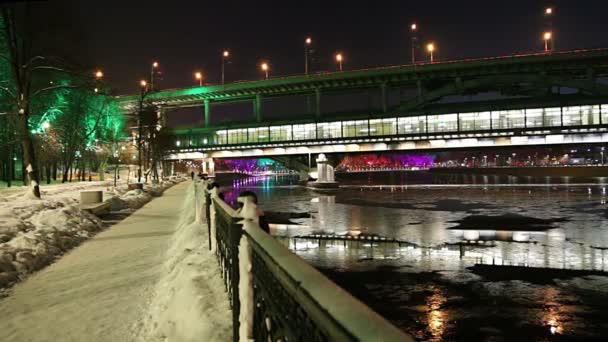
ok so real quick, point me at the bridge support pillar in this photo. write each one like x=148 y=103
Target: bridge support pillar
x=257 y=107
x=207 y=113
x=317 y=103
x=325 y=174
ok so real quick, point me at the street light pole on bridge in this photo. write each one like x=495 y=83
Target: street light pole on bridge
x=306 y=47
x=413 y=31
x=225 y=55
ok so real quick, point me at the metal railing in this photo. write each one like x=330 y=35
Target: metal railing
x=277 y=296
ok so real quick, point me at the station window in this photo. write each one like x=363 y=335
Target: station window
x=221 y=137
x=383 y=126
x=329 y=130
x=474 y=121
x=280 y=133
x=257 y=134
x=357 y=128
x=412 y=125
x=237 y=136
x=508 y=119
x=443 y=123
x=581 y=115
x=304 y=132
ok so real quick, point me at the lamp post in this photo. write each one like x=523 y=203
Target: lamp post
x=339 y=60
x=430 y=48
x=199 y=76
x=548 y=36
x=225 y=55
x=307 y=42
x=154 y=66
x=549 y=13
x=265 y=68
x=144 y=91
x=413 y=32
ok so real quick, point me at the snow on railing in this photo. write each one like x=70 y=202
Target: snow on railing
x=274 y=294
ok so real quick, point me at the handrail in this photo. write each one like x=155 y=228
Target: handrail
x=291 y=299
x=336 y=312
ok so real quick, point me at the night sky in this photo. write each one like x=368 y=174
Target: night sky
x=124 y=37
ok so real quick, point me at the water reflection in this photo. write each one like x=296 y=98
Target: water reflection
x=411 y=229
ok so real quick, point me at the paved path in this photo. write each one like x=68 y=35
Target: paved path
x=99 y=290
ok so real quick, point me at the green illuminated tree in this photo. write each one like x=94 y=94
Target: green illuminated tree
x=32 y=74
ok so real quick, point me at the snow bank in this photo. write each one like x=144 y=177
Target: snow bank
x=33 y=232
x=189 y=301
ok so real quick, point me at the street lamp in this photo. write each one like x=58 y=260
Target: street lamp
x=144 y=91
x=154 y=66
x=430 y=47
x=46 y=125
x=549 y=13
x=414 y=31
x=339 y=60
x=547 y=37
x=265 y=69
x=98 y=74
x=225 y=55
x=308 y=41
x=199 y=76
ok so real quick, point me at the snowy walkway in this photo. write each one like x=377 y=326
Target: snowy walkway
x=112 y=287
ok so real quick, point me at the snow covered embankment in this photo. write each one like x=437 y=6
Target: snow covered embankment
x=34 y=232
x=189 y=303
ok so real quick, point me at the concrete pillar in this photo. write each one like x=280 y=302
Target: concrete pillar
x=384 y=97
x=257 y=107
x=207 y=113
x=318 y=103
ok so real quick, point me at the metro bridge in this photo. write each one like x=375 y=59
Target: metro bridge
x=533 y=99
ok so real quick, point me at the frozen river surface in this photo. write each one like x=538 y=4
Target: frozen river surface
x=409 y=252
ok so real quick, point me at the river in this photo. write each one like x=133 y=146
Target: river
x=409 y=250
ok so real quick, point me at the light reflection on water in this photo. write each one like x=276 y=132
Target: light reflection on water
x=419 y=221
x=413 y=216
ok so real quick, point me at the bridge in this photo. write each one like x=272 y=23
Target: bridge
x=532 y=99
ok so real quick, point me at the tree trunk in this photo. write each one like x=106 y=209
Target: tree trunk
x=48 y=174
x=29 y=157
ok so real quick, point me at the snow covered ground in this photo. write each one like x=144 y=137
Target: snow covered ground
x=148 y=278
x=34 y=232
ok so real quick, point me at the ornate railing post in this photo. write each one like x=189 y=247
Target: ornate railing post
x=249 y=213
x=208 y=214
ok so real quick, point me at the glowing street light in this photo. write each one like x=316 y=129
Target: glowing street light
x=549 y=14
x=225 y=56
x=265 y=68
x=308 y=41
x=154 y=66
x=430 y=48
x=98 y=74
x=413 y=32
x=143 y=83
x=96 y=90
x=46 y=125
x=547 y=37
x=339 y=59
x=199 y=76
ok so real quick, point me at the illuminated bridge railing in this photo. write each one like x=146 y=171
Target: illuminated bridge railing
x=277 y=296
x=570 y=117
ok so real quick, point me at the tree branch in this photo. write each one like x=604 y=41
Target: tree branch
x=9 y=92
x=39 y=91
